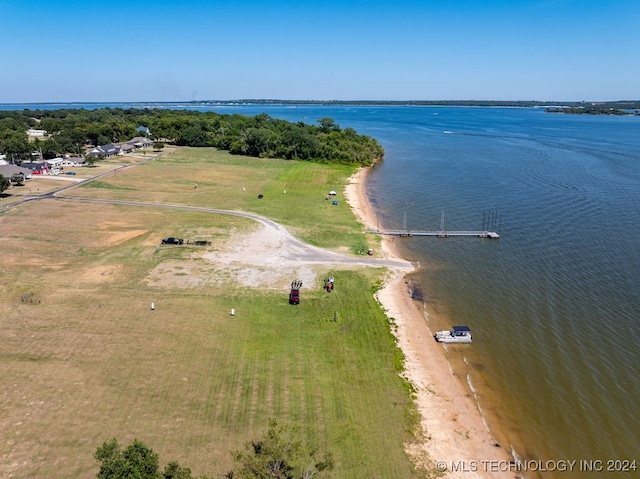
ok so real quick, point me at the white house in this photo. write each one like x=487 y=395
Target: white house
x=73 y=161
x=140 y=142
x=144 y=129
x=38 y=133
x=55 y=162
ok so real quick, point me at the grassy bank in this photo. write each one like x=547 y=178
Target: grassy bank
x=84 y=358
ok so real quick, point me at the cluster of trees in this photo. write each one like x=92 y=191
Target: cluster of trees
x=280 y=455
x=262 y=136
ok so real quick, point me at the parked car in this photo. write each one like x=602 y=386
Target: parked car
x=70 y=173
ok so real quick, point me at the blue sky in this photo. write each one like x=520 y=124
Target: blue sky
x=572 y=50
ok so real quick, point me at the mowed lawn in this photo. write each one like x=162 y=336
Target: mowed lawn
x=215 y=179
x=84 y=358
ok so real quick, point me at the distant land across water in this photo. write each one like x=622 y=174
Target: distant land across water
x=606 y=108
x=598 y=107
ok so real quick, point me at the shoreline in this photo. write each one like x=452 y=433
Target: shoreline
x=453 y=429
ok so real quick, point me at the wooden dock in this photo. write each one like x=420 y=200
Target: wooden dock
x=437 y=234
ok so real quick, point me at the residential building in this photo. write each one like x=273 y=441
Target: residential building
x=9 y=170
x=105 y=150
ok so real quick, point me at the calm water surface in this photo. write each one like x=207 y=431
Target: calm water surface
x=553 y=304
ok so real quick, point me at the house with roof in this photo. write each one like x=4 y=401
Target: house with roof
x=106 y=151
x=9 y=170
x=73 y=161
x=126 y=148
x=36 y=133
x=55 y=162
x=140 y=142
x=144 y=130
x=36 y=167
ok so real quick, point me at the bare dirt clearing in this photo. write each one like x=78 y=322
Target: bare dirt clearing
x=268 y=257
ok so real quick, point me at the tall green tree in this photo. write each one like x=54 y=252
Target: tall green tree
x=327 y=125
x=280 y=455
x=16 y=146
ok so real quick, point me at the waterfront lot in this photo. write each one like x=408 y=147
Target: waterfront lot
x=85 y=359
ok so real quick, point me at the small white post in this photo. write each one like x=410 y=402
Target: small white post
x=153 y=306
x=233 y=311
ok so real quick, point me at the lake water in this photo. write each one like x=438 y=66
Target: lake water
x=554 y=303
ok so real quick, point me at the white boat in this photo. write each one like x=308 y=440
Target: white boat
x=459 y=334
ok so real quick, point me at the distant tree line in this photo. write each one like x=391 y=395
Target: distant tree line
x=620 y=104
x=593 y=110
x=69 y=130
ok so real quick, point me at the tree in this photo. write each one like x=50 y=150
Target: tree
x=173 y=470
x=4 y=183
x=260 y=136
x=327 y=125
x=137 y=461
x=158 y=145
x=16 y=146
x=280 y=455
x=17 y=179
x=91 y=159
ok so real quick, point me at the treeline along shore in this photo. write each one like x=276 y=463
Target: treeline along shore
x=73 y=131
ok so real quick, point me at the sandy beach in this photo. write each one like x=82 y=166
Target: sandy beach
x=454 y=438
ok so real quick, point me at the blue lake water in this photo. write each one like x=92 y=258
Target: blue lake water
x=554 y=304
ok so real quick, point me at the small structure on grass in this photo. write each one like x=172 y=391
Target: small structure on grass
x=328 y=284
x=294 y=294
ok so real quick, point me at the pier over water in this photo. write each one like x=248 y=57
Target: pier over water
x=437 y=234
x=489 y=220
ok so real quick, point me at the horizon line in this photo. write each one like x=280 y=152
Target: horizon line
x=276 y=100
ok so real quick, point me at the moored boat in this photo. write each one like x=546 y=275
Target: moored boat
x=459 y=334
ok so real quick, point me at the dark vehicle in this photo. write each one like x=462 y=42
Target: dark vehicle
x=294 y=295
x=70 y=173
x=202 y=243
x=172 y=240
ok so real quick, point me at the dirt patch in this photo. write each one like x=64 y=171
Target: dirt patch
x=268 y=257
x=119 y=237
x=100 y=274
x=259 y=260
x=262 y=259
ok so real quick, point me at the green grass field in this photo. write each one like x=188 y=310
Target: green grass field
x=84 y=359
x=215 y=179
